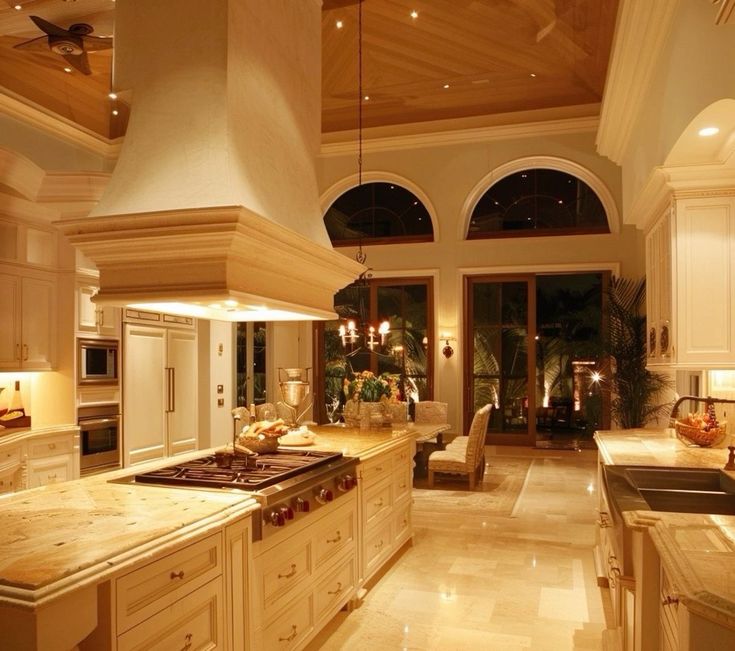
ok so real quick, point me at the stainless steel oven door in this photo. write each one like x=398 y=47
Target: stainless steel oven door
x=99 y=437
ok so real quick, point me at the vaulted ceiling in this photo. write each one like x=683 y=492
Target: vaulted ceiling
x=451 y=59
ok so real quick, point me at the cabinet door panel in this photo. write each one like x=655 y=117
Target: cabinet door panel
x=182 y=403
x=10 y=322
x=38 y=319
x=143 y=394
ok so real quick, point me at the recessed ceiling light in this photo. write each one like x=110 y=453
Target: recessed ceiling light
x=533 y=74
x=708 y=131
x=18 y=7
x=339 y=24
x=366 y=98
x=115 y=112
x=446 y=85
x=67 y=69
x=414 y=14
x=112 y=95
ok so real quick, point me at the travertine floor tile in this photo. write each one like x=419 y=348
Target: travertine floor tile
x=488 y=572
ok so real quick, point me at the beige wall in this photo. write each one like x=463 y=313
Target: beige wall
x=445 y=177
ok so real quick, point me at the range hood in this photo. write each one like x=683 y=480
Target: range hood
x=213 y=206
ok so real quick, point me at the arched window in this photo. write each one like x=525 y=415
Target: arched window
x=538 y=202
x=378 y=213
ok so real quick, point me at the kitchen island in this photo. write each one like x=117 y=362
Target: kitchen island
x=71 y=553
x=668 y=573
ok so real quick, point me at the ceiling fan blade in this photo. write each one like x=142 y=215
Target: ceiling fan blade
x=96 y=43
x=79 y=61
x=49 y=28
x=40 y=43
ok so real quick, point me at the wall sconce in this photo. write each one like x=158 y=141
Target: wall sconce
x=447 y=350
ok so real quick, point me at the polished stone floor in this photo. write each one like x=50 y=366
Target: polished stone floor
x=520 y=579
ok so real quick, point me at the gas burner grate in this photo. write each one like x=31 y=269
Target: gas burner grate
x=249 y=473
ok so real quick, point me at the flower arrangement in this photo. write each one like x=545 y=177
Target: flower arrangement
x=368 y=387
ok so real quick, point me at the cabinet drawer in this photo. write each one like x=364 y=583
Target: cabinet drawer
x=50 y=446
x=377 y=547
x=335 y=589
x=334 y=535
x=10 y=458
x=145 y=591
x=282 y=568
x=402 y=526
x=53 y=470
x=194 y=623
x=375 y=469
x=402 y=481
x=290 y=629
x=377 y=500
x=402 y=458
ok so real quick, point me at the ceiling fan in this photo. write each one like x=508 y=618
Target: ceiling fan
x=72 y=44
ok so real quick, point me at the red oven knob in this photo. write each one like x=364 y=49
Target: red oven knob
x=276 y=518
x=324 y=495
x=300 y=505
x=287 y=512
x=346 y=483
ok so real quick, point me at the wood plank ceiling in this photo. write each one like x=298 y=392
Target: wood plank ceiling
x=453 y=59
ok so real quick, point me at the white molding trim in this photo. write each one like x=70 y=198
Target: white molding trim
x=587 y=124
x=556 y=267
x=640 y=35
x=332 y=193
x=665 y=183
x=66 y=130
x=547 y=162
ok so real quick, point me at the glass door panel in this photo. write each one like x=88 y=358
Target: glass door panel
x=499 y=329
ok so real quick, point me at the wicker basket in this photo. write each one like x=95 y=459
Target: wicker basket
x=694 y=435
x=260 y=445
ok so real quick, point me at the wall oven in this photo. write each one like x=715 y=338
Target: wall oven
x=97 y=361
x=99 y=437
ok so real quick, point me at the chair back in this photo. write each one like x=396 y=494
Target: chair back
x=476 y=437
x=266 y=411
x=430 y=411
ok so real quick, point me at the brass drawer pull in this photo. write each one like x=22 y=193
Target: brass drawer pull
x=338 y=590
x=290 y=574
x=52 y=446
x=379 y=504
x=177 y=575
x=187 y=639
x=290 y=637
x=668 y=600
x=379 y=469
x=337 y=538
x=379 y=545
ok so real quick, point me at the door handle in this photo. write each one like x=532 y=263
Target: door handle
x=173 y=389
x=169 y=387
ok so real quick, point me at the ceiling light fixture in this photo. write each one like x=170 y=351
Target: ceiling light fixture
x=706 y=132
x=112 y=95
x=533 y=74
x=115 y=112
x=414 y=14
x=446 y=85
x=67 y=69
x=18 y=7
x=339 y=24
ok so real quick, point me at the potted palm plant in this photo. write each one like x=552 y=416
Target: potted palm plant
x=636 y=390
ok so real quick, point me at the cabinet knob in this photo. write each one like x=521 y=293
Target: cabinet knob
x=668 y=600
x=177 y=575
x=25 y=352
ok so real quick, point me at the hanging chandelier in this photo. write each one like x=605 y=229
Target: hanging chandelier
x=350 y=332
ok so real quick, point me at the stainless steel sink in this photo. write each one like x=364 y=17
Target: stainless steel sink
x=681 y=490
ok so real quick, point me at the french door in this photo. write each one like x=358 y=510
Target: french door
x=533 y=351
x=500 y=356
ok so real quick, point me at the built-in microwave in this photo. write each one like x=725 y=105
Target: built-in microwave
x=97 y=361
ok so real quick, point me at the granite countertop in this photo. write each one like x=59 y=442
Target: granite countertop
x=647 y=447
x=697 y=550
x=698 y=554
x=85 y=529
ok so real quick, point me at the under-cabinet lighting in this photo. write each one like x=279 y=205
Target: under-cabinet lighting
x=224 y=312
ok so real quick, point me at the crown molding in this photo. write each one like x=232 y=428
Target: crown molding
x=54 y=125
x=640 y=35
x=374 y=141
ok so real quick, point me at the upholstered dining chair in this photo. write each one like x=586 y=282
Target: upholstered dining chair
x=266 y=411
x=469 y=461
x=431 y=411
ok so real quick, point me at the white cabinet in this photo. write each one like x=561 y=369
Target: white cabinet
x=103 y=320
x=690 y=271
x=36 y=458
x=385 y=500
x=27 y=322
x=301 y=579
x=159 y=392
x=176 y=601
